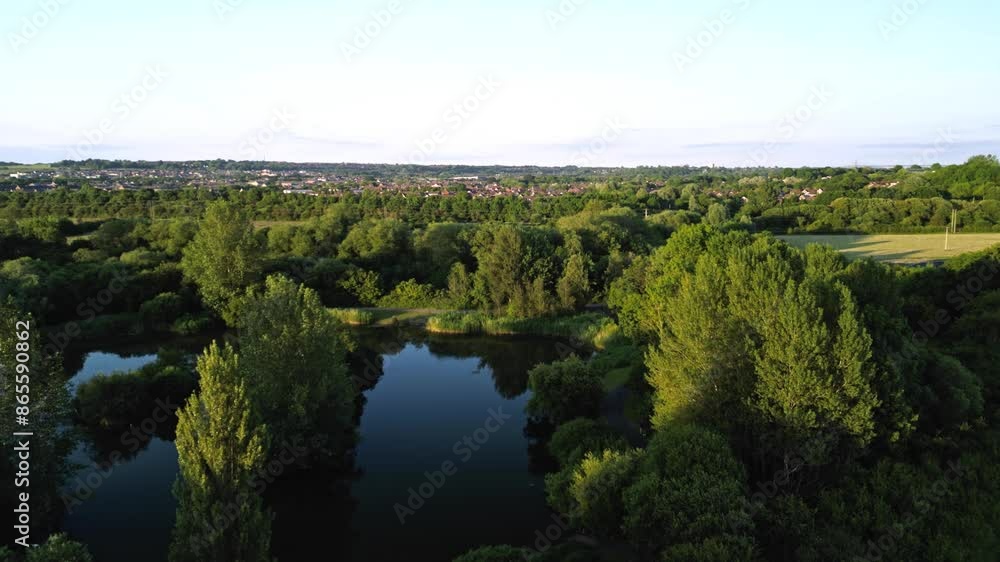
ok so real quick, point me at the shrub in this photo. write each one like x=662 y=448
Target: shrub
x=565 y=390
x=363 y=285
x=191 y=324
x=598 y=486
x=574 y=439
x=558 y=490
x=501 y=553
x=410 y=294
x=690 y=492
x=161 y=309
x=59 y=548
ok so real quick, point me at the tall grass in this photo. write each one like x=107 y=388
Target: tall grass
x=353 y=316
x=593 y=328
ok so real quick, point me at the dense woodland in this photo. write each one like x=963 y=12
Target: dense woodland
x=794 y=405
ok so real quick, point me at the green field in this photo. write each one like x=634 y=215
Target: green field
x=25 y=168
x=902 y=248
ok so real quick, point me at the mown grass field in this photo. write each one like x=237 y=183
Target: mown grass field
x=900 y=248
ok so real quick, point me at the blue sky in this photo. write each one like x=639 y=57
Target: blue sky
x=727 y=82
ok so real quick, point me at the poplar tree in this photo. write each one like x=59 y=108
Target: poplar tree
x=220 y=447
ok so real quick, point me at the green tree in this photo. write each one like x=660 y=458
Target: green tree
x=574 y=439
x=574 y=285
x=690 y=490
x=294 y=362
x=58 y=548
x=459 y=287
x=220 y=447
x=43 y=381
x=225 y=257
x=783 y=347
x=565 y=390
x=598 y=487
x=717 y=214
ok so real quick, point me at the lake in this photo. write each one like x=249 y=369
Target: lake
x=434 y=405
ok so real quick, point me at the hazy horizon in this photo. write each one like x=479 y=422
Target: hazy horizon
x=562 y=82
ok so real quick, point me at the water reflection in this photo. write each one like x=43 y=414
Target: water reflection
x=421 y=395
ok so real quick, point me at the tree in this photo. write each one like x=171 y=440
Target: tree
x=565 y=390
x=598 y=486
x=574 y=285
x=783 y=347
x=717 y=214
x=574 y=439
x=459 y=286
x=220 y=447
x=225 y=257
x=690 y=490
x=40 y=375
x=59 y=548
x=294 y=363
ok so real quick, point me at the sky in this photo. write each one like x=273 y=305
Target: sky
x=546 y=82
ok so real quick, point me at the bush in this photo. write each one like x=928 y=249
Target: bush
x=574 y=439
x=501 y=553
x=161 y=309
x=565 y=390
x=410 y=294
x=113 y=402
x=59 y=548
x=191 y=324
x=142 y=258
x=558 y=490
x=690 y=492
x=598 y=486
x=363 y=286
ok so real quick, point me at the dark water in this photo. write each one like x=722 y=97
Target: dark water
x=427 y=396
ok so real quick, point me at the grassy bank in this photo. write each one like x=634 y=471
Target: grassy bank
x=592 y=328
x=383 y=317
